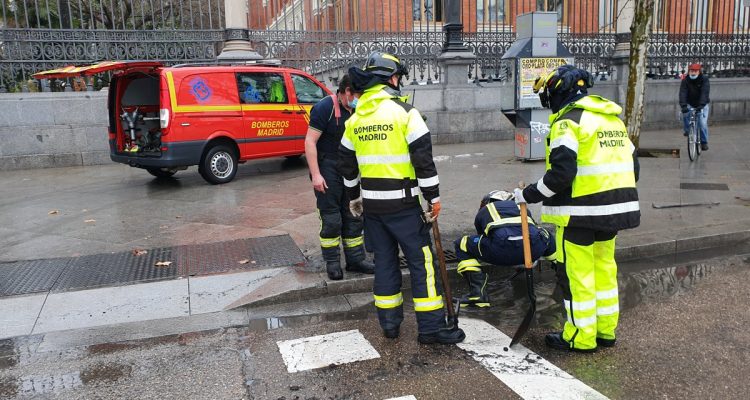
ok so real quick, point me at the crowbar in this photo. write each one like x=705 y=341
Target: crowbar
x=712 y=203
x=452 y=313
x=529 y=276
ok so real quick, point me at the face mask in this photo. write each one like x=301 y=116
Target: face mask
x=693 y=77
x=353 y=103
x=555 y=102
x=544 y=98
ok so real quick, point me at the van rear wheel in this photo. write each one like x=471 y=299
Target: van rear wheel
x=219 y=165
x=160 y=173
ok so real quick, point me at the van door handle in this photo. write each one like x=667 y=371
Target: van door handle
x=301 y=112
x=185 y=124
x=286 y=111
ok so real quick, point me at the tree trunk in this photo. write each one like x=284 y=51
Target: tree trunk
x=643 y=13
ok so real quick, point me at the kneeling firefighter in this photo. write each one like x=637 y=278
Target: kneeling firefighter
x=498 y=242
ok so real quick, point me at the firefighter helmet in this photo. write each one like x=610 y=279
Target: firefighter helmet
x=385 y=65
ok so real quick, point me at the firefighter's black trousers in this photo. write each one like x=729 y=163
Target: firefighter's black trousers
x=336 y=221
x=405 y=229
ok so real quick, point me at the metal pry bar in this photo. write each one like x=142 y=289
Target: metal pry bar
x=658 y=206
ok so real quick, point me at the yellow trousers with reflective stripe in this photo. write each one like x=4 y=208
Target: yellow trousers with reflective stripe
x=587 y=273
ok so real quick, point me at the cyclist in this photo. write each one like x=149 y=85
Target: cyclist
x=694 y=92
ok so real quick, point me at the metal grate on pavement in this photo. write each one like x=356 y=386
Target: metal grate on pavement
x=25 y=277
x=703 y=186
x=115 y=269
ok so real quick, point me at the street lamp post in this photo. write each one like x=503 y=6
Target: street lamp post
x=456 y=58
x=237 y=46
x=453 y=27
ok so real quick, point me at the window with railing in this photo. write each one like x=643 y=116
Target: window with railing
x=742 y=16
x=699 y=15
x=427 y=10
x=607 y=15
x=490 y=11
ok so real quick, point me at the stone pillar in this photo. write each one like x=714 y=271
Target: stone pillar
x=237 y=47
x=455 y=60
x=459 y=96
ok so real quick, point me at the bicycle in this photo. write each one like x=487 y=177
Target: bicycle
x=693 y=137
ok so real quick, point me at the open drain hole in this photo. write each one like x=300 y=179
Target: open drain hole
x=658 y=153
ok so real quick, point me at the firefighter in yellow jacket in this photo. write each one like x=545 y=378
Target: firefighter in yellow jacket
x=385 y=158
x=589 y=194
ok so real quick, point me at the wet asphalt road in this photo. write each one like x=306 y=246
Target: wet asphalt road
x=682 y=335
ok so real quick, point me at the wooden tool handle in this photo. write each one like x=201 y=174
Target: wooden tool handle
x=525 y=232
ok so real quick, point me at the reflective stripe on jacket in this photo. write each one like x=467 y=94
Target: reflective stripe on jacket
x=592 y=169
x=499 y=213
x=386 y=153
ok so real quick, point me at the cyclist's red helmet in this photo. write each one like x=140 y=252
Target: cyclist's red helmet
x=694 y=67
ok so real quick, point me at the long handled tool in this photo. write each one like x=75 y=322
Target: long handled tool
x=452 y=312
x=712 y=203
x=529 y=277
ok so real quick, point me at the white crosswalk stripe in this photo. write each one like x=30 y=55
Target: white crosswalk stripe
x=409 y=397
x=321 y=351
x=522 y=370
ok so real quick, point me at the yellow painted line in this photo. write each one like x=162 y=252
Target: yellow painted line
x=172 y=95
x=239 y=107
x=198 y=109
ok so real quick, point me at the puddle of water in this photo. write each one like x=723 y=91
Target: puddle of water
x=18 y=350
x=108 y=348
x=269 y=324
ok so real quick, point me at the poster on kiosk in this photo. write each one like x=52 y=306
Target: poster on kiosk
x=535 y=52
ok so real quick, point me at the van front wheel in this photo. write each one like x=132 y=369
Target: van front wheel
x=219 y=165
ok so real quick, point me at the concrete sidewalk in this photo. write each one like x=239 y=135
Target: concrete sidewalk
x=131 y=210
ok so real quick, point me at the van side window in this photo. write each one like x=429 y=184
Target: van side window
x=307 y=91
x=261 y=87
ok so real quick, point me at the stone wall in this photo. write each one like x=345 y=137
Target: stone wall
x=39 y=130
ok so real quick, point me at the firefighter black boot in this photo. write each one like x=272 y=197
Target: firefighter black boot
x=363 y=266
x=442 y=336
x=333 y=268
x=333 y=263
x=357 y=252
x=477 y=296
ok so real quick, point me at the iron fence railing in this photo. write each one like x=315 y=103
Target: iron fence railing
x=325 y=37
x=41 y=34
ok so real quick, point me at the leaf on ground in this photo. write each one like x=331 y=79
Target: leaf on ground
x=89 y=221
x=139 y=252
x=178 y=216
x=245 y=261
x=163 y=263
x=53 y=212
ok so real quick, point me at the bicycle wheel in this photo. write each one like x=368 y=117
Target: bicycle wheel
x=697 y=130
x=692 y=144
